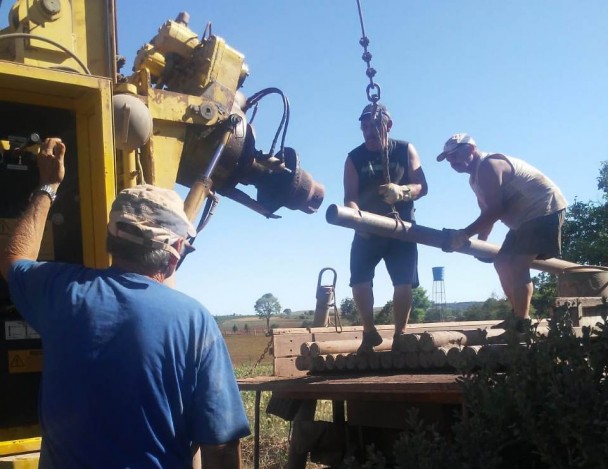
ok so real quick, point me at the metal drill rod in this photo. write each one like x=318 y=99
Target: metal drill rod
x=389 y=227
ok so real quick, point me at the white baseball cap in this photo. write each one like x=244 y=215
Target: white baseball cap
x=453 y=143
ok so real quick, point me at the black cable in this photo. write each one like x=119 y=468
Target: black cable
x=50 y=41
x=283 y=125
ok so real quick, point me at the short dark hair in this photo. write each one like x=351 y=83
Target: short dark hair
x=150 y=260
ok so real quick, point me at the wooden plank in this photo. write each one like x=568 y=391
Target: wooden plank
x=413 y=327
x=286 y=367
x=437 y=381
x=442 y=388
x=354 y=332
x=285 y=345
x=291 y=330
x=325 y=336
x=345 y=329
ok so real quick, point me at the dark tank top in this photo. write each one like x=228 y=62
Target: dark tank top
x=368 y=165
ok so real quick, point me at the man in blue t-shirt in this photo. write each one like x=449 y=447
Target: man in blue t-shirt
x=136 y=374
x=382 y=176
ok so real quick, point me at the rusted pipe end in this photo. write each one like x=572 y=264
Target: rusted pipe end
x=331 y=214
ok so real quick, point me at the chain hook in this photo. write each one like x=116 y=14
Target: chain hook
x=373 y=89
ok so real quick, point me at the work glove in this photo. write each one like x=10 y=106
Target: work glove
x=454 y=240
x=392 y=193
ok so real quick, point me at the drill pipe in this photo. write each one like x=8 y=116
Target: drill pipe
x=367 y=222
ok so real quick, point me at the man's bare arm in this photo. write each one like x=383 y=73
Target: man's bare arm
x=491 y=176
x=25 y=240
x=418 y=186
x=225 y=456
x=351 y=185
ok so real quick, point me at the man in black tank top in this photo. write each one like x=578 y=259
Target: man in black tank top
x=367 y=188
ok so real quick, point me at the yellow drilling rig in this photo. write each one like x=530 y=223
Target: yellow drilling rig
x=179 y=118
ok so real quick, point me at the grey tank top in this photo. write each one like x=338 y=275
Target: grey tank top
x=528 y=194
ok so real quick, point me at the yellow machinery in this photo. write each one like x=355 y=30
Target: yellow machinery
x=179 y=118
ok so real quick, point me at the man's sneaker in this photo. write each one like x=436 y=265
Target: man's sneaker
x=397 y=341
x=519 y=325
x=503 y=324
x=523 y=325
x=370 y=340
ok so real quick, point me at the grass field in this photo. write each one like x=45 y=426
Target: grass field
x=274 y=432
x=258 y=325
x=245 y=351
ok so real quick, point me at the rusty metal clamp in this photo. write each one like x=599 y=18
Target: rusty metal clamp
x=326 y=300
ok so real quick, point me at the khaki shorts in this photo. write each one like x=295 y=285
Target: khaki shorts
x=541 y=236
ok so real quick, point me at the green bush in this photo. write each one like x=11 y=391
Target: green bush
x=548 y=410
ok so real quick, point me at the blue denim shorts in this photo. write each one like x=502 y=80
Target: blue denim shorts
x=400 y=258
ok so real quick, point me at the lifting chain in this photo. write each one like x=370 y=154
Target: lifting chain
x=372 y=89
x=373 y=96
x=337 y=320
x=262 y=356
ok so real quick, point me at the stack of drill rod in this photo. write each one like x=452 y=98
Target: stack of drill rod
x=437 y=350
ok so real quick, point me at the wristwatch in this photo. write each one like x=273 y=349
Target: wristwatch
x=48 y=190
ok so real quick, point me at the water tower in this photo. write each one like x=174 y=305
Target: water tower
x=438 y=288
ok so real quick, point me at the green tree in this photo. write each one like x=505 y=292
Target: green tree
x=287 y=312
x=433 y=314
x=348 y=309
x=474 y=313
x=602 y=179
x=417 y=315
x=584 y=241
x=267 y=306
x=497 y=308
x=585 y=231
x=492 y=308
x=545 y=292
x=420 y=300
x=385 y=316
x=420 y=304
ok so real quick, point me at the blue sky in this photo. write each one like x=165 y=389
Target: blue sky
x=525 y=78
